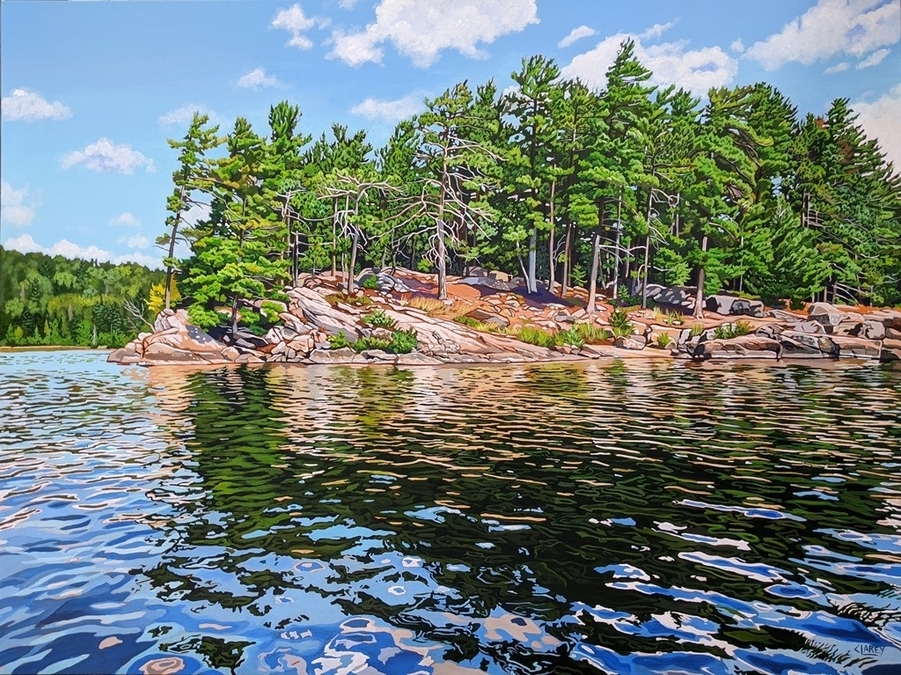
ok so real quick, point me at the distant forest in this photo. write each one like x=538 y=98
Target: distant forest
x=550 y=180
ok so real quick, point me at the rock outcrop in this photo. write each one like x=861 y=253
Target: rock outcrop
x=314 y=328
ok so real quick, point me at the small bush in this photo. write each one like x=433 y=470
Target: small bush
x=338 y=341
x=371 y=342
x=620 y=323
x=571 y=338
x=370 y=283
x=592 y=333
x=663 y=340
x=403 y=341
x=270 y=311
x=377 y=319
x=536 y=336
x=796 y=304
x=697 y=329
x=731 y=330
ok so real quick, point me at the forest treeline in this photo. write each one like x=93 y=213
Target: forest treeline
x=52 y=300
x=550 y=180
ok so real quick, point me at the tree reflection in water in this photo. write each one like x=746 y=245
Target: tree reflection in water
x=535 y=519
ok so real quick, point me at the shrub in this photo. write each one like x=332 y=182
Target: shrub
x=370 y=282
x=571 y=338
x=620 y=323
x=592 y=333
x=270 y=311
x=536 y=336
x=403 y=341
x=697 y=329
x=731 y=330
x=371 y=342
x=626 y=299
x=338 y=341
x=663 y=340
x=377 y=319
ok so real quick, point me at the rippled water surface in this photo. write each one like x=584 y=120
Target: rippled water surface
x=568 y=518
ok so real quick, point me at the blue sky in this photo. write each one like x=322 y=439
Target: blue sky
x=92 y=90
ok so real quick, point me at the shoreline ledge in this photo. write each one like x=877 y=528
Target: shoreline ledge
x=309 y=319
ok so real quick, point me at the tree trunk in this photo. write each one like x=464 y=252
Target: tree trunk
x=593 y=280
x=234 y=315
x=552 y=264
x=442 y=263
x=531 y=284
x=647 y=254
x=616 y=265
x=699 y=297
x=567 y=260
x=349 y=280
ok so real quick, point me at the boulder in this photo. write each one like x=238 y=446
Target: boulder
x=783 y=316
x=488 y=282
x=161 y=352
x=317 y=312
x=826 y=314
x=847 y=327
x=892 y=333
x=806 y=345
x=872 y=330
x=770 y=330
x=889 y=318
x=857 y=348
x=891 y=350
x=374 y=356
x=679 y=296
x=634 y=342
x=416 y=359
x=742 y=307
x=343 y=355
x=810 y=327
x=174 y=340
x=743 y=346
x=721 y=304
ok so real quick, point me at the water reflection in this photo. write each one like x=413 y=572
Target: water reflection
x=562 y=518
x=532 y=520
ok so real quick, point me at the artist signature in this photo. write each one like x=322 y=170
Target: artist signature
x=869 y=650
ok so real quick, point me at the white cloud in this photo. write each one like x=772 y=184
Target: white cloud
x=125 y=220
x=874 y=59
x=837 y=68
x=296 y=22
x=196 y=213
x=135 y=241
x=389 y=111
x=657 y=30
x=879 y=120
x=697 y=70
x=24 y=105
x=15 y=207
x=737 y=46
x=347 y=4
x=575 y=35
x=420 y=29
x=853 y=27
x=257 y=78
x=23 y=244
x=185 y=114
x=104 y=155
x=26 y=244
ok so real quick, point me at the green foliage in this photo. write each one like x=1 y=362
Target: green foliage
x=592 y=333
x=377 y=319
x=403 y=341
x=536 y=336
x=570 y=337
x=469 y=322
x=370 y=283
x=663 y=340
x=338 y=341
x=697 y=329
x=619 y=321
x=371 y=342
x=731 y=330
x=203 y=317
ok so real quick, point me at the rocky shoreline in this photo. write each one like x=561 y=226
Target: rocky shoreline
x=316 y=313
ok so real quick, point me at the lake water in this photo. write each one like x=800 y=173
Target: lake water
x=606 y=517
